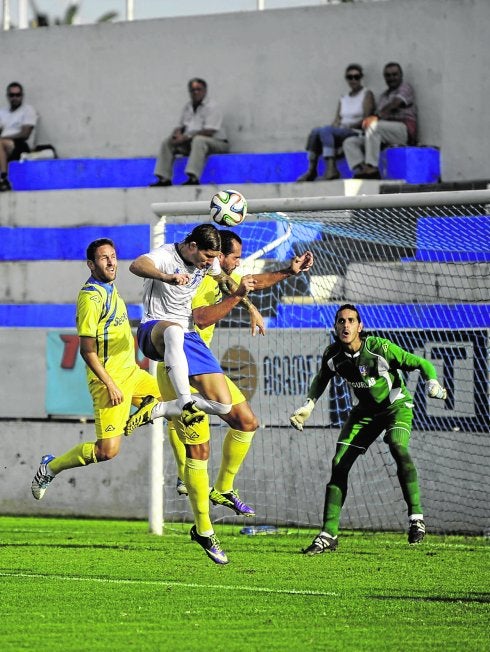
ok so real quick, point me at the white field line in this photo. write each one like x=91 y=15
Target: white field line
x=187 y=585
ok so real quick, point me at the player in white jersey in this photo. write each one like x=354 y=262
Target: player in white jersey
x=172 y=274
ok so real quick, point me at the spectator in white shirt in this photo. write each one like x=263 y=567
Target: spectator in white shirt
x=17 y=122
x=200 y=133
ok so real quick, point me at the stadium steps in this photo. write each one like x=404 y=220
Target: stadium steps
x=409 y=164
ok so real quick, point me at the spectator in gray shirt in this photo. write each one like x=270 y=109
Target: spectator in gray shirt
x=200 y=132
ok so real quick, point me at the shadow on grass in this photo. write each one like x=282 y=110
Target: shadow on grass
x=481 y=598
x=100 y=546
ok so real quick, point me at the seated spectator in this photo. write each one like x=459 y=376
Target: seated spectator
x=394 y=123
x=17 y=123
x=200 y=132
x=351 y=109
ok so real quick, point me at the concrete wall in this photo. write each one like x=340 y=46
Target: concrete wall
x=116 y=90
x=283 y=477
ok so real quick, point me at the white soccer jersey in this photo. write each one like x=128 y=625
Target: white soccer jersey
x=164 y=301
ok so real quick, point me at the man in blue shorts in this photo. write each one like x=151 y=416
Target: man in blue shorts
x=173 y=273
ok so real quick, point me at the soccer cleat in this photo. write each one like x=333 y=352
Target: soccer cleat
x=232 y=500
x=42 y=478
x=191 y=414
x=323 y=542
x=211 y=546
x=181 y=488
x=141 y=416
x=416 y=531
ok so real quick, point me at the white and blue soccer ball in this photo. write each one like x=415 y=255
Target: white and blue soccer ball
x=228 y=208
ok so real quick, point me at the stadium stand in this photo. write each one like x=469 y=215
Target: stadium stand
x=409 y=164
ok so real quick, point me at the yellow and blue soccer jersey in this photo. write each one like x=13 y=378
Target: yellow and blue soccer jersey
x=102 y=314
x=208 y=294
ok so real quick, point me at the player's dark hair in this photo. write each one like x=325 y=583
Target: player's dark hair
x=197 y=80
x=206 y=236
x=227 y=239
x=93 y=246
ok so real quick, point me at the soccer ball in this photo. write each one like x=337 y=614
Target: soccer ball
x=228 y=208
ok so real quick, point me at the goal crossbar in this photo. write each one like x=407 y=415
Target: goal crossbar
x=296 y=204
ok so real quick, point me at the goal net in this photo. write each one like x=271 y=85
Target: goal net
x=417 y=266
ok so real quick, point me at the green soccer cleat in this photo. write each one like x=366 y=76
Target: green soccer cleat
x=141 y=416
x=323 y=542
x=416 y=531
x=232 y=500
x=211 y=546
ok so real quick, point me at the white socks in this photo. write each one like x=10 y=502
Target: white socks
x=176 y=362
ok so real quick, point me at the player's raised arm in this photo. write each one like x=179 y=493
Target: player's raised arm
x=205 y=316
x=297 y=265
x=144 y=267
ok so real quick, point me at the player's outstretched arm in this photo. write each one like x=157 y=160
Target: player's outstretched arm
x=205 y=316
x=435 y=390
x=229 y=287
x=317 y=387
x=302 y=414
x=257 y=324
x=297 y=265
x=144 y=267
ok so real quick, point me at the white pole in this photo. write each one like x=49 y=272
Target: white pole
x=260 y=5
x=155 y=510
x=129 y=9
x=22 y=14
x=157 y=478
x=6 y=15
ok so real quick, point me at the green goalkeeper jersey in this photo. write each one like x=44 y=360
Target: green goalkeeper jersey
x=374 y=373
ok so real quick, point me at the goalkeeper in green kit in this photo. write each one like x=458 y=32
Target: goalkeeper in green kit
x=373 y=368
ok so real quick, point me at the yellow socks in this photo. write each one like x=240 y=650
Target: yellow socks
x=197 y=482
x=81 y=455
x=235 y=449
x=178 y=448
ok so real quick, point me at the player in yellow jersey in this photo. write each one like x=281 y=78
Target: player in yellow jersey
x=115 y=380
x=208 y=307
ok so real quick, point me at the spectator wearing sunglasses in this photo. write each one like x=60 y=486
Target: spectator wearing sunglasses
x=352 y=108
x=394 y=123
x=17 y=122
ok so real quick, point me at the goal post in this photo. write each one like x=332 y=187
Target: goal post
x=418 y=267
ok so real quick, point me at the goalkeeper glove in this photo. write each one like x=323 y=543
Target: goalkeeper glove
x=434 y=390
x=300 y=415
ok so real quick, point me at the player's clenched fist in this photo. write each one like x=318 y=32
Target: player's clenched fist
x=300 y=415
x=434 y=390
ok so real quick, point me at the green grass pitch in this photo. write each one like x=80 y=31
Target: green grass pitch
x=110 y=585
